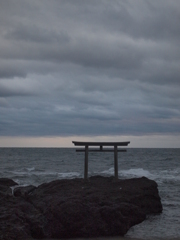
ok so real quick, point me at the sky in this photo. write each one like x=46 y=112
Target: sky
x=94 y=70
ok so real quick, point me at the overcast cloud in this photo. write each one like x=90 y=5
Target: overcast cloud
x=89 y=68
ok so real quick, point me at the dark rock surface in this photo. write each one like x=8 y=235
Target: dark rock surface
x=75 y=208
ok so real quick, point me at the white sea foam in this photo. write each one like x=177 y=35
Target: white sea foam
x=69 y=175
x=110 y=171
x=172 y=174
x=164 y=175
x=19 y=173
x=30 y=169
x=134 y=172
x=57 y=174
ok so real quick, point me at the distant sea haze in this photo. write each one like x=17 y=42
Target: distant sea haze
x=38 y=165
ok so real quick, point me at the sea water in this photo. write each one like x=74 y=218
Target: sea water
x=38 y=165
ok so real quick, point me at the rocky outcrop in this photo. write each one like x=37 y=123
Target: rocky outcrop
x=76 y=208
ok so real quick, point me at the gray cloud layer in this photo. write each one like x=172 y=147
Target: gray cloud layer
x=89 y=67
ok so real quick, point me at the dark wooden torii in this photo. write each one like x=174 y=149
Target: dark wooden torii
x=101 y=148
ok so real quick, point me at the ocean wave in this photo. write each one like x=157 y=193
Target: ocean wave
x=135 y=172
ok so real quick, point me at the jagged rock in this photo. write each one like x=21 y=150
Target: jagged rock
x=7 y=182
x=23 y=191
x=5 y=186
x=76 y=208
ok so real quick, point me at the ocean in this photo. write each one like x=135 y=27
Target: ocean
x=34 y=166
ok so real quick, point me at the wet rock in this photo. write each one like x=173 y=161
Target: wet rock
x=78 y=208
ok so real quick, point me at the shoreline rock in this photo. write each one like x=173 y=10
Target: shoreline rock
x=72 y=208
